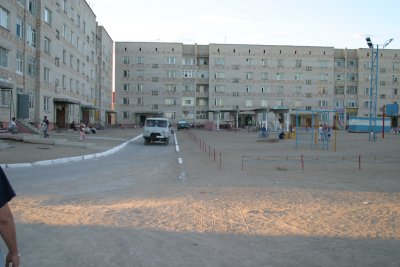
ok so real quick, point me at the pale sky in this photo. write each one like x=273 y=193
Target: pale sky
x=337 y=23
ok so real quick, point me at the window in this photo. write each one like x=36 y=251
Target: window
x=249 y=89
x=280 y=63
x=249 y=76
x=352 y=89
x=170 y=60
x=339 y=90
x=219 y=89
x=46 y=74
x=249 y=61
x=46 y=103
x=126 y=73
x=308 y=95
x=154 y=66
x=308 y=68
x=323 y=63
x=31 y=99
x=170 y=88
x=249 y=103
x=71 y=59
x=31 y=66
x=339 y=77
x=140 y=73
x=188 y=74
x=125 y=115
x=382 y=96
x=297 y=77
x=140 y=60
x=140 y=87
x=4 y=18
x=298 y=90
x=352 y=77
x=352 y=103
x=323 y=90
x=188 y=87
x=171 y=74
x=170 y=101
x=125 y=101
x=58 y=34
x=339 y=103
x=47 y=43
x=126 y=87
x=203 y=74
x=20 y=28
x=20 y=62
x=264 y=62
x=154 y=106
x=298 y=63
x=154 y=92
x=64 y=82
x=31 y=36
x=308 y=81
x=394 y=91
x=217 y=102
x=264 y=76
x=264 y=103
x=322 y=103
x=279 y=76
x=64 y=57
x=170 y=115
x=47 y=16
x=188 y=61
x=32 y=7
x=324 y=77
x=219 y=75
x=126 y=60
x=140 y=101
x=3 y=57
x=367 y=104
x=220 y=61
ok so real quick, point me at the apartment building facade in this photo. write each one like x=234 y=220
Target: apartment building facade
x=238 y=84
x=55 y=61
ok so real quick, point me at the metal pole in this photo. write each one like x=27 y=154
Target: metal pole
x=383 y=122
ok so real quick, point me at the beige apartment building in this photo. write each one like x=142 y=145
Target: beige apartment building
x=236 y=84
x=55 y=61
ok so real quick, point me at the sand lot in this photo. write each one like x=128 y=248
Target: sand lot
x=239 y=202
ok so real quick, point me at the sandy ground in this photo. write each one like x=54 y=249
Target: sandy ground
x=238 y=186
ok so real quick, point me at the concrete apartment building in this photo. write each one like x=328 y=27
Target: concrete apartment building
x=55 y=61
x=238 y=84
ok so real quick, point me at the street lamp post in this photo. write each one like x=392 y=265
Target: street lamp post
x=373 y=91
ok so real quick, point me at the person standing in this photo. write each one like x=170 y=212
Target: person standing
x=82 y=131
x=45 y=127
x=7 y=225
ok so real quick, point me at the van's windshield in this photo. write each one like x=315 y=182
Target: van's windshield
x=156 y=123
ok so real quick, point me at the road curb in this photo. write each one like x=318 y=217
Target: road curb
x=70 y=159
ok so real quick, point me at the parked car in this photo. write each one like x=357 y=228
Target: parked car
x=183 y=124
x=156 y=130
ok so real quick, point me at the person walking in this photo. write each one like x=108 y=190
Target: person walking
x=82 y=131
x=45 y=127
x=7 y=225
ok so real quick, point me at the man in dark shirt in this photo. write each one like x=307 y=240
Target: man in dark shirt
x=7 y=226
x=45 y=127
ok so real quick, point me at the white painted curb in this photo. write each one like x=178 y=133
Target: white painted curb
x=71 y=159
